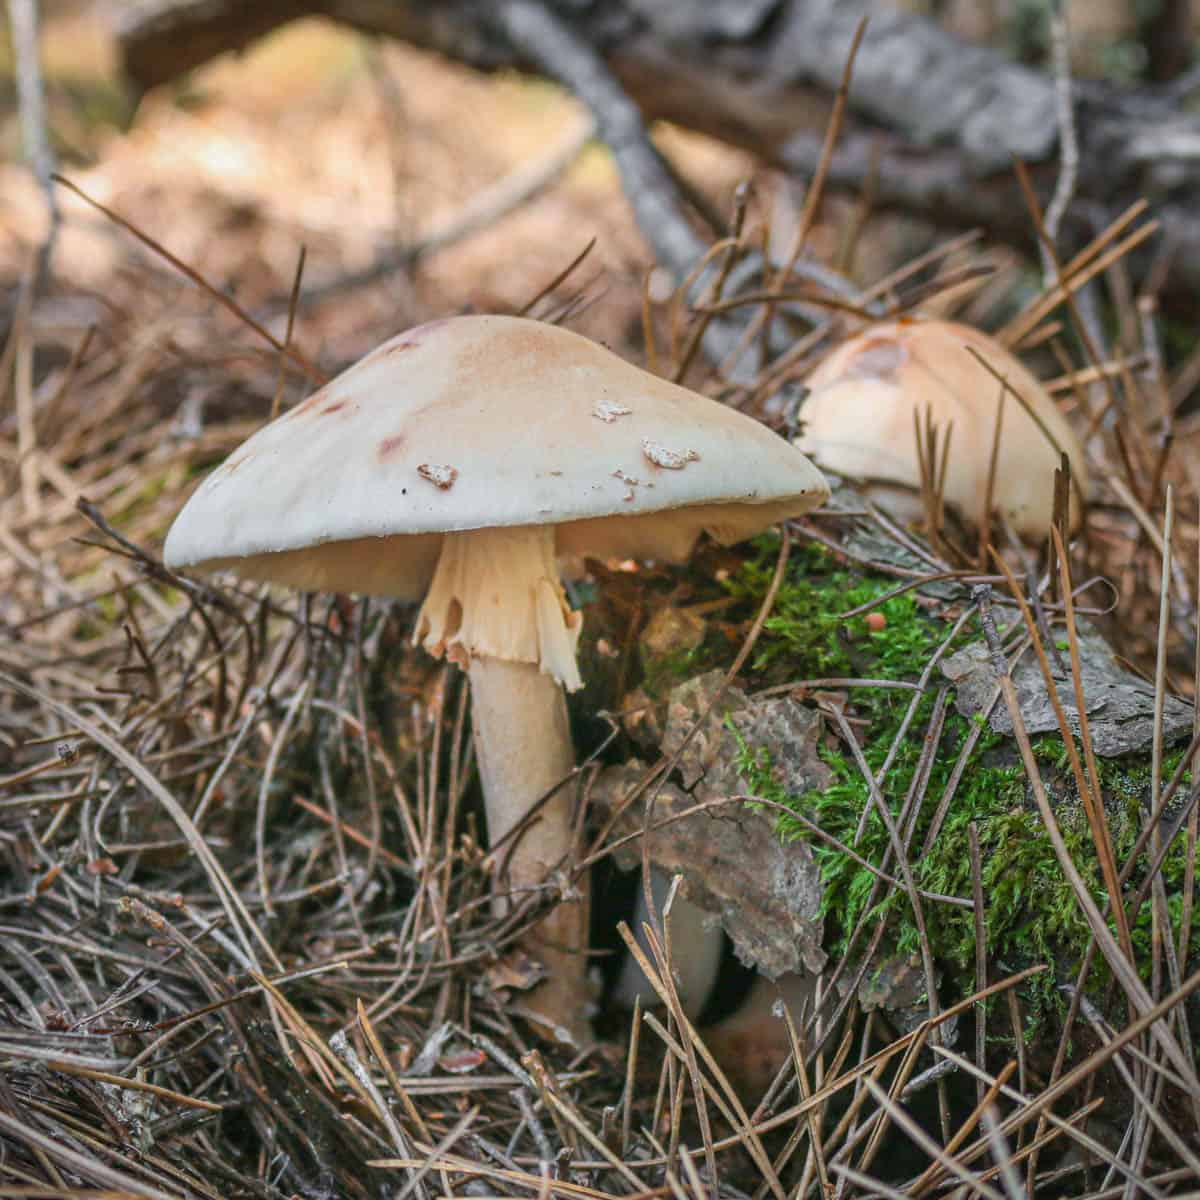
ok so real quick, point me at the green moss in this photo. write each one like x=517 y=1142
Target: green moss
x=1032 y=915
x=804 y=628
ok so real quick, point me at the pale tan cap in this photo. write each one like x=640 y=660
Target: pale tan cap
x=858 y=419
x=483 y=422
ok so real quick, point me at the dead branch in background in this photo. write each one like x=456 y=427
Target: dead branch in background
x=31 y=96
x=936 y=123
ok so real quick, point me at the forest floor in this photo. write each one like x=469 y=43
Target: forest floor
x=244 y=944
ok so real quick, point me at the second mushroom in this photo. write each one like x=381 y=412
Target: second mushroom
x=868 y=394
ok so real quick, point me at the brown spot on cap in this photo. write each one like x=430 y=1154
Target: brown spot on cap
x=336 y=406
x=413 y=337
x=389 y=446
x=879 y=359
x=306 y=404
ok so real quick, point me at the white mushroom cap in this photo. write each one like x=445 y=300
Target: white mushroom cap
x=485 y=422
x=858 y=419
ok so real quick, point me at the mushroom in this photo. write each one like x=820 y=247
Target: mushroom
x=753 y=1041
x=858 y=421
x=697 y=944
x=455 y=465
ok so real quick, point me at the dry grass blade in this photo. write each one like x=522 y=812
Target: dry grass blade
x=597 y=1143
x=134 y=1085
x=712 y=303
x=660 y=949
x=1078 y=272
x=1041 y=1108
x=816 y=189
x=631 y=1063
x=293 y=301
x=880 y=1122
x=987 y=1096
x=914 y=1131
x=1149 y=1108
x=759 y=327
x=1034 y=416
x=730 y=1102
x=27 y=451
x=1193 y=820
x=989 y=490
x=1089 y=787
x=1002 y=1154
x=416 y=1178
x=874 y=1063
x=260 y=821
x=557 y=280
x=814 y=1118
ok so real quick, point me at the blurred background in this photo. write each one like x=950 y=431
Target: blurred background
x=354 y=148
x=363 y=149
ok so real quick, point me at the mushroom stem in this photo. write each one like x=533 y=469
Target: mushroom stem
x=523 y=746
x=496 y=607
x=697 y=943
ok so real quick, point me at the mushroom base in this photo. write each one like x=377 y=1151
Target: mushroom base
x=523 y=747
x=751 y=1044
